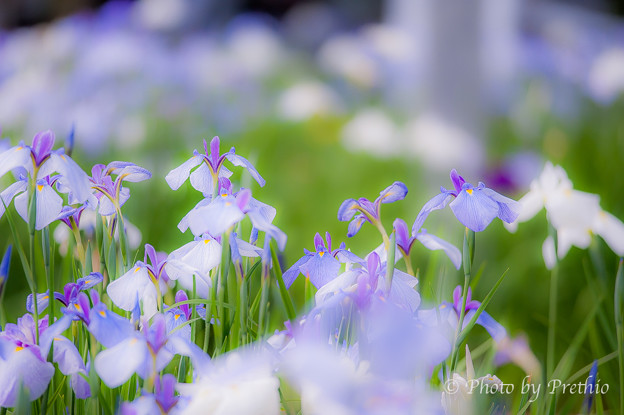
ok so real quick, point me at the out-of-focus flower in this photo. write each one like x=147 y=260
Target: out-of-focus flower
x=69 y=297
x=4 y=268
x=240 y=382
x=374 y=132
x=575 y=215
x=517 y=351
x=308 y=99
x=162 y=401
x=606 y=76
x=474 y=207
x=321 y=266
x=368 y=211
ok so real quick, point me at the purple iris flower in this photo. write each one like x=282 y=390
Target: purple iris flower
x=145 y=352
x=40 y=161
x=4 y=267
x=162 y=401
x=474 y=207
x=70 y=216
x=405 y=242
x=111 y=194
x=321 y=266
x=176 y=317
x=143 y=281
x=368 y=211
x=23 y=361
x=206 y=177
x=69 y=296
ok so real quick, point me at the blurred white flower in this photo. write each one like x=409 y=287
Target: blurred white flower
x=575 y=215
x=344 y=56
x=606 y=76
x=307 y=99
x=373 y=131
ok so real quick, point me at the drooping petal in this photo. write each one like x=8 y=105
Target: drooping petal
x=177 y=176
x=355 y=225
x=508 y=209
x=433 y=243
x=347 y=209
x=90 y=280
x=14 y=157
x=494 y=328
x=611 y=229
x=321 y=268
x=474 y=209
x=216 y=217
x=49 y=205
x=9 y=193
x=117 y=364
x=134 y=283
x=133 y=173
x=439 y=201
x=67 y=357
x=530 y=204
x=201 y=180
x=293 y=272
x=396 y=191
x=403 y=239
x=23 y=367
x=109 y=328
x=237 y=160
x=72 y=176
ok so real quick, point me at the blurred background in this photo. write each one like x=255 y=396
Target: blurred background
x=334 y=100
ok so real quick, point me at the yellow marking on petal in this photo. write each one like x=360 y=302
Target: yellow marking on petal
x=321 y=254
x=469 y=191
x=87 y=282
x=443 y=306
x=18 y=148
x=77 y=306
x=58 y=339
x=134 y=341
x=137 y=269
x=102 y=313
x=45 y=297
x=206 y=241
x=40 y=187
x=223 y=194
x=176 y=317
x=63 y=157
x=228 y=203
x=18 y=348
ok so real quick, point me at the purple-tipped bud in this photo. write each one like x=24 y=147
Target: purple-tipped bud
x=42 y=146
x=4 y=267
x=69 y=141
x=590 y=387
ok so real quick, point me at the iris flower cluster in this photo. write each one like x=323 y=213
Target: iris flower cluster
x=211 y=327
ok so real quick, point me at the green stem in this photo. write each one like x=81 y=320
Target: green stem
x=45 y=242
x=619 y=325
x=468 y=257
x=552 y=312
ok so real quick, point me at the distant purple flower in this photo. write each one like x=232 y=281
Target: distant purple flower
x=405 y=242
x=111 y=194
x=69 y=296
x=205 y=178
x=321 y=266
x=162 y=401
x=366 y=211
x=474 y=207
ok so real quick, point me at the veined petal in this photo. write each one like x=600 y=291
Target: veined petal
x=133 y=173
x=201 y=180
x=267 y=212
x=474 y=209
x=134 y=283
x=437 y=202
x=202 y=255
x=14 y=157
x=347 y=209
x=433 y=243
x=184 y=274
x=237 y=160
x=247 y=250
x=355 y=225
x=508 y=209
x=9 y=193
x=396 y=191
x=117 y=364
x=49 y=205
x=548 y=252
x=216 y=217
x=611 y=229
x=321 y=268
x=67 y=356
x=177 y=176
